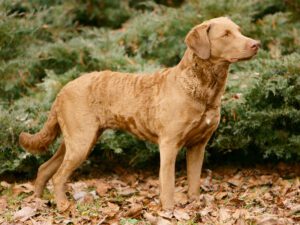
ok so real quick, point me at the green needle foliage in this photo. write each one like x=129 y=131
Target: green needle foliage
x=45 y=44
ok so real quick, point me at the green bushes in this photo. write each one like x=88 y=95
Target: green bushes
x=266 y=119
x=111 y=13
x=44 y=45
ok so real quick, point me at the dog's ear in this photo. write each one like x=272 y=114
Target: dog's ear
x=197 y=40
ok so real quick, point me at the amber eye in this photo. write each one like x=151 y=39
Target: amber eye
x=227 y=33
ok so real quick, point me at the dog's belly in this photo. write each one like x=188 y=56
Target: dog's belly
x=134 y=125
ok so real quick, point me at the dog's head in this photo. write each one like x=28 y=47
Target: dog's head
x=221 y=39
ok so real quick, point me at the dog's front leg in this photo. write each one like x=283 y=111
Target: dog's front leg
x=168 y=153
x=194 y=157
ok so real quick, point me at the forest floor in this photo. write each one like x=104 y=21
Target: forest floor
x=229 y=195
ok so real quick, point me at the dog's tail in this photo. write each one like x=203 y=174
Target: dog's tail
x=39 y=142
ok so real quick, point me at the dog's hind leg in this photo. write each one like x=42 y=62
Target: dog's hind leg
x=78 y=147
x=47 y=170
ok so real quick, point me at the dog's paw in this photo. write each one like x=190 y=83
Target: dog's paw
x=38 y=191
x=63 y=205
x=193 y=197
x=167 y=205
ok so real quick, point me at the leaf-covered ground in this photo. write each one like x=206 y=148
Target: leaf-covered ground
x=229 y=195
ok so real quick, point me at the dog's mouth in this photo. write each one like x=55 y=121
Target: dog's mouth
x=236 y=59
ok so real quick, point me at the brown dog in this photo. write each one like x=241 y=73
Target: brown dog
x=177 y=107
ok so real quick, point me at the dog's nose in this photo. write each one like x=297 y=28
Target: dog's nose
x=255 y=45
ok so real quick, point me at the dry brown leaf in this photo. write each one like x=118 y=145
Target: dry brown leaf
x=134 y=211
x=241 y=213
x=207 y=199
x=181 y=214
x=88 y=198
x=238 y=202
x=24 y=213
x=285 y=186
x=150 y=182
x=154 y=206
x=102 y=187
x=38 y=203
x=110 y=210
x=101 y=220
x=162 y=221
x=94 y=194
x=204 y=212
x=296 y=184
x=3 y=204
x=295 y=209
x=221 y=195
x=268 y=220
x=166 y=214
x=117 y=183
x=78 y=186
x=268 y=196
x=79 y=195
x=137 y=200
x=260 y=201
x=156 y=220
x=236 y=180
x=23 y=188
x=150 y=218
x=129 y=179
x=263 y=180
x=5 y=184
x=206 y=182
x=127 y=191
x=91 y=182
x=224 y=215
x=35 y=202
x=45 y=222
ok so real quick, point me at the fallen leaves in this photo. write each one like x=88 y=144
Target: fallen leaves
x=3 y=204
x=224 y=215
x=127 y=191
x=102 y=187
x=134 y=211
x=24 y=214
x=236 y=181
x=110 y=210
x=221 y=195
x=228 y=196
x=5 y=184
x=181 y=215
x=22 y=188
x=295 y=209
x=156 y=220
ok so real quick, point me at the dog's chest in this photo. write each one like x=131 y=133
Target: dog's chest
x=200 y=130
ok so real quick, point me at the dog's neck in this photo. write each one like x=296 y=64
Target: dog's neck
x=203 y=80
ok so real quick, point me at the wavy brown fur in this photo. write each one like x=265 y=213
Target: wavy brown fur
x=39 y=142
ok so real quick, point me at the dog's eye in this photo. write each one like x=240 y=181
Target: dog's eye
x=226 y=34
